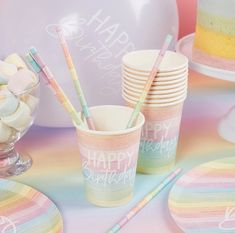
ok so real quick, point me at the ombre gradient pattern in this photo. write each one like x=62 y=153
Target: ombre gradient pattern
x=203 y=200
x=56 y=169
x=24 y=210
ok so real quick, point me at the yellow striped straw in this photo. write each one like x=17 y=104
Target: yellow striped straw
x=140 y=205
x=75 y=79
x=149 y=82
x=40 y=67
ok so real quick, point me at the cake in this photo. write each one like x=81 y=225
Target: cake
x=214 y=42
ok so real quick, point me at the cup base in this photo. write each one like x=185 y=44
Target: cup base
x=156 y=170
x=14 y=165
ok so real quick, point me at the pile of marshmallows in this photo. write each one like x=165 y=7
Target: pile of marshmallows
x=16 y=103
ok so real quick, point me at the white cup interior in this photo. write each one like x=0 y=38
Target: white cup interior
x=112 y=119
x=143 y=60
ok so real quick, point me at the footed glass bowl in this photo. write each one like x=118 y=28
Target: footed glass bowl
x=17 y=112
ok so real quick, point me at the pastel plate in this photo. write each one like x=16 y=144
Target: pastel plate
x=25 y=210
x=203 y=200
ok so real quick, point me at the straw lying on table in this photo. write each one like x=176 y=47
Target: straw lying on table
x=40 y=67
x=149 y=82
x=75 y=79
x=145 y=201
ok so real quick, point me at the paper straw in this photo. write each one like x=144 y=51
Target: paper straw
x=75 y=79
x=140 y=205
x=40 y=67
x=36 y=68
x=149 y=82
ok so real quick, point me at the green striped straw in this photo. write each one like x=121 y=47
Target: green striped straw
x=75 y=79
x=149 y=82
x=44 y=72
x=140 y=205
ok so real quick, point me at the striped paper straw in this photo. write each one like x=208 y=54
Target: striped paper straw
x=75 y=79
x=149 y=82
x=40 y=67
x=145 y=201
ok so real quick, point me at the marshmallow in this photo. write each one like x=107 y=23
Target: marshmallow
x=3 y=79
x=7 y=69
x=8 y=102
x=21 y=81
x=20 y=119
x=16 y=60
x=30 y=100
x=5 y=132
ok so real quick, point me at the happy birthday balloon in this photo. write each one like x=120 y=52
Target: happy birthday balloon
x=99 y=33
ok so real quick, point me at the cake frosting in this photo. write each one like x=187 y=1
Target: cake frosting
x=214 y=42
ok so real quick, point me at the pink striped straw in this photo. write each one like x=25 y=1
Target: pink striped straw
x=149 y=82
x=74 y=76
x=140 y=205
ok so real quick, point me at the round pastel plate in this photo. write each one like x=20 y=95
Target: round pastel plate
x=25 y=210
x=203 y=200
x=185 y=47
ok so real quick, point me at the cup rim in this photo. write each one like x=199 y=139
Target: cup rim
x=155 y=100
x=181 y=59
x=156 y=85
x=156 y=88
x=157 y=78
x=111 y=133
x=159 y=74
x=155 y=105
x=154 y=93
x=159 y=95
x=141 y=84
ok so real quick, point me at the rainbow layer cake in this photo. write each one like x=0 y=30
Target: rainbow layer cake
x=214 y=43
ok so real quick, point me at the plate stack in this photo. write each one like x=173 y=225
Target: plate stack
x=162 y=107
x=168 y=88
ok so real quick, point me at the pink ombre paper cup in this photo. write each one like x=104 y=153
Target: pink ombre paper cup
x=109 y=155
x=159 y=138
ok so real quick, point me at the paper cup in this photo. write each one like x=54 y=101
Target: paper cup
x=156 y=86
x=155 y=100
x=136 y=92
x=109 y=155
x=170 y=74
x=151 y=96
x=159 y=138
x=160 y=80
x=143 y=60
x=153 y=90
x=157 y=92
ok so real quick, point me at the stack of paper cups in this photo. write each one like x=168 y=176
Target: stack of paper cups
x=162 y=107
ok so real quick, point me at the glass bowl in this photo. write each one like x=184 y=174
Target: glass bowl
x=17 y=113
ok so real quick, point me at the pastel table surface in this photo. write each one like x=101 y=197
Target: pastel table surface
x=56 y=169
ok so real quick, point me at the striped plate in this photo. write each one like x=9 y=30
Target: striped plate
x=25 y=210
x=203 y=200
